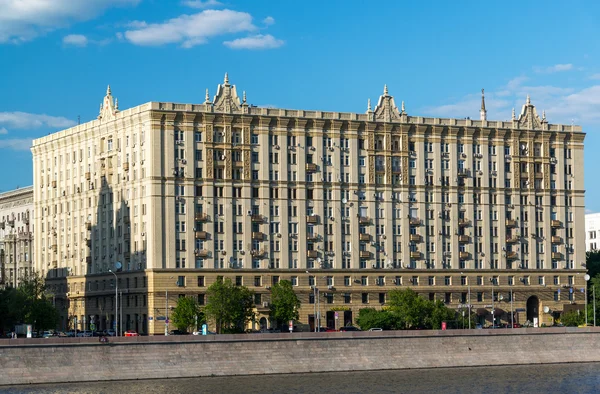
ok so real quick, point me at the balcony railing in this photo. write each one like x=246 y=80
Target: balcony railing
x=557 y=239
x=126 y=166
x=364 y=220
x=257 y=235
x=464 y=239
x=512 y=239
x=511 y=223
x=311 y=167
x=556 y=223
x=511 y=255
x=201 y=217
x=313 y=254
x=201 y=235
x=257 y=218
x=416 y=237
x=312 y=219
x=202 y=253
x=364 y=254
x=557 y=256
x=464 y=255
x=414 y=221
x=88 y=176
x=415 y=255
x=364 y=237
x=464 y=222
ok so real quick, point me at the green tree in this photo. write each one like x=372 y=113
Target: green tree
x=373 y=318
x=439 y=312
x=284 y=303
x=229 y=307
x=573 y=318
x=187 y=314
x=408 y=309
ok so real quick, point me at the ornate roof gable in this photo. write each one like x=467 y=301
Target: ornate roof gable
x=386 y=109
x=529 y=119
x=226 y=100
x=108 y=107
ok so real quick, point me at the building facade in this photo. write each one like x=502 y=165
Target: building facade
x=592 y=232
x=16 y=236
x=353 y=205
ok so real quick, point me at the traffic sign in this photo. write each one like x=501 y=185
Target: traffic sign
x=92 y=327
x=336 y=315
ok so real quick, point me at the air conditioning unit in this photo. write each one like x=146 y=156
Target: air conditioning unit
x=330 y=287
x=143 y=234
x=265 y=304
x=249 y=213
x=276 y=147
x=331 y=218
x=373 y=266
x=183 y=161
x=356 y=280
x=223 y=252
x=268 y=287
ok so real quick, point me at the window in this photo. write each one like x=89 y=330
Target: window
x=365 y=298
x=181 y=281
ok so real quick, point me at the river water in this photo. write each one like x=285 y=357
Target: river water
x=553 y=378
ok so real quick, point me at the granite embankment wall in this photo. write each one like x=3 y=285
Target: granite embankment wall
x=24 y=361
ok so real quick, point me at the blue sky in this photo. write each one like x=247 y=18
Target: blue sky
x=58 y=56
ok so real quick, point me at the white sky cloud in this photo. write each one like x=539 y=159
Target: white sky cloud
x=23 y=20
x=16 y=143
x=3 y=130
x=553 y=69
x=269 y=20
x=255 y=42
x=202 y=4
x=24 y=120
x=75 y=40
x=595 y=76
x=191 y=30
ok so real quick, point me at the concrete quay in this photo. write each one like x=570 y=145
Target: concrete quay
x=57 y=360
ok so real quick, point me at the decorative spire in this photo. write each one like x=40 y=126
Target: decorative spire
x=244 y=97
x=116 y=104
x=543 y=114
x=513 y=114
x=483 y=112
x=403 y=109
x=207 y=97
x=528 y=100
x=100 y=112
x=108 y=93
x=226 y=80
x=385 y=90
x=369 y=105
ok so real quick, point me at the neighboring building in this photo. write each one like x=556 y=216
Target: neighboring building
x=16 y=236
x=592 y=232
x=354 y=204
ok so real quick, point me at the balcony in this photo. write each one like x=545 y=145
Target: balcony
x=556 y=223
x=88 y=176
x=312 y=237
x=258 y=253
x=364 y=254
x=524 y=175
x=539 y=175
x=201 y=217
x=10 y=222
x=464 y=255
x=202 y=253
x=364 y=220
x=88 y=225
x=511 y=223
x=25 y=219
x=126 y=255
x=414 y=221
x=463 y=239
x=462 y=222
x=126 y=166
x=54 y=263
x=512 y=255
x=463 y=172
x=557 y=256
x=88 y=243
x=557 y=240
x=312 y=254
x=257 y=218
x=54 y=247
x=88 y=260
x=126 y=219
x=311 y=167
x=512 y=239
x=416 y=238
x=2 y=224
x=257 y=235
x=416 y=255
x=312 y=219
x=127 y=236
x=201 y=235
x=54 y=184
x=364 y=237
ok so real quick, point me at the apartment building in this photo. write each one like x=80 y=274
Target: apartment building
x=592 y=232
x=16 y=236
x=352 y=204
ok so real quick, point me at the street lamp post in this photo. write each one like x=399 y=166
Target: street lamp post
x=468 y=299
x=594 y=296
x=587 y=278
x=116 y=303
x=167 y=309
x=493 y=311
x=512 y=314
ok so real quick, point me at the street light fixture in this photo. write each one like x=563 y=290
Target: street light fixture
x=468 y=298
x=167 y=309
x=116 y=304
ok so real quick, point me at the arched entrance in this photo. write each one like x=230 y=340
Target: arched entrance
x=533 y=310
x=263 y=323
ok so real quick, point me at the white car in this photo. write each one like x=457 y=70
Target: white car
x=375 y=329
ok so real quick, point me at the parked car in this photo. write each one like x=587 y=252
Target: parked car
x=349 y=328
x=375 y=329
x=84 y=334
x=516 y=325
x=177 y=332
x=130 y=333
x=325 y=329
x=110 y=333
x=212 y=333
x=47 y=334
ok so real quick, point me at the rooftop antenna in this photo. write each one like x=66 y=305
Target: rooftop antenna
x=78 y=119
